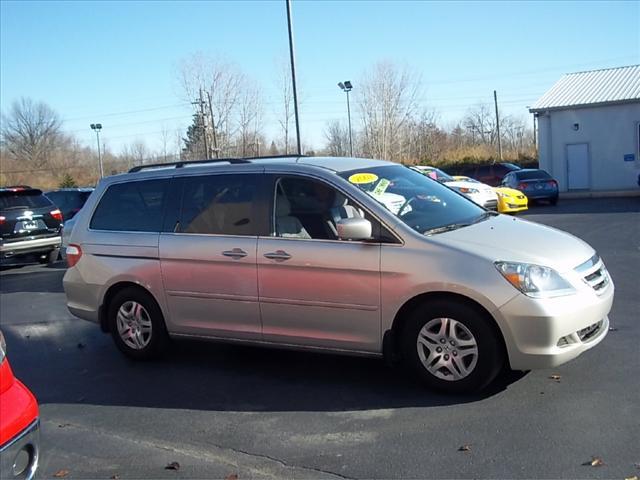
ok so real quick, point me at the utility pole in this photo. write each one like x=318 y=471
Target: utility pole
x=213 y=126
x=200 y=103
x=495 y=100
x=293 y=76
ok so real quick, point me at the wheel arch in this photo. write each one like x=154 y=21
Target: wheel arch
x=392 y=336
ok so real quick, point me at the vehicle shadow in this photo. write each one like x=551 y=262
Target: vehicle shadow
x=84 y=367
x=47 y=280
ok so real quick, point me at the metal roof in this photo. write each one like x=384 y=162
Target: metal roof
x=595 y=87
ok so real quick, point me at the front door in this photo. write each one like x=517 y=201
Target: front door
x=578 y=166
x=315 y=289
x=209 y=261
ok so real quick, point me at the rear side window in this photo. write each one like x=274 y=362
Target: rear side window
x=69 y=200
x=132 y=207
x=23 y=199
x=220 y=204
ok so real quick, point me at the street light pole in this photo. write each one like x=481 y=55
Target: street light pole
x=97 y=127
x=346 y=87
x=293 y=76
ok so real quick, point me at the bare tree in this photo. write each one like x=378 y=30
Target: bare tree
x=337 y=136
x=285 y=111
x=222 y=83
x=388 y=99
x=250 y=112
x=480 y=122
x=31 y=131
x=165 y=138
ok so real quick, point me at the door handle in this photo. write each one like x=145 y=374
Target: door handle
x=236 y=253
x=278 y=255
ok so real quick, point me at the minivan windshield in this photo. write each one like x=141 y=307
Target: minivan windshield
x=420 y=202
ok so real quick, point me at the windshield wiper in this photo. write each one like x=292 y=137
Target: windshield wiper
x=446 y=228
x=455 y=226
x=484 y=216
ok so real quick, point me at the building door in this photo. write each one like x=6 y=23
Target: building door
x=578 y=166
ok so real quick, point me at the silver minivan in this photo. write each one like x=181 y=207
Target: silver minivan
x=342 y=255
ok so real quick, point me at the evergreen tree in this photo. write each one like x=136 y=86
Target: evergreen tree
x=67 y=182
x=194 y=141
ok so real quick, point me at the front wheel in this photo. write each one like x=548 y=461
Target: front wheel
x=554 y=201
x=137 y=324
x=452 y=347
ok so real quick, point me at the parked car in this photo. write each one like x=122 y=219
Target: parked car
x=30 y=225
x=536 y=184
x=69 y=200
x=491 y=174
x=296 y=252
x=19 y=424
x=482 y=194
x=509 y=199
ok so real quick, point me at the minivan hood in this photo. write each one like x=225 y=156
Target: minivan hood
x=511 y=239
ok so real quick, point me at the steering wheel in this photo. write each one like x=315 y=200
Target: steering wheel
x=406 y=204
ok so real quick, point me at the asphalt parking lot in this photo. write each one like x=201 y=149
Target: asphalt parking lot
x=219 y=410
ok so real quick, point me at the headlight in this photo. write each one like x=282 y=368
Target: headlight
x=534 y=280
x=3 y=347
x=467 y=190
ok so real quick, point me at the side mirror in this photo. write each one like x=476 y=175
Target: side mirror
x=354 y=229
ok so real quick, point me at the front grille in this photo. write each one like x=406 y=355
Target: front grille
x=594 y=274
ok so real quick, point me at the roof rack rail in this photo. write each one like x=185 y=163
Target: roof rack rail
x=182 y=163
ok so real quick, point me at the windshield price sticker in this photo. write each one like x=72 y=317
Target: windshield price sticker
x=381 y=187
x=360 y=178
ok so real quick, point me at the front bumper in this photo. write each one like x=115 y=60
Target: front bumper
x=25 y=247
x=488 y=200
x=545 y=333
x=21 y=453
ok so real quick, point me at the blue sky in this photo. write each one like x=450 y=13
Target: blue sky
x=116 y=62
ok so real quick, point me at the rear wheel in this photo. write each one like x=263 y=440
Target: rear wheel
x=553 y=201
x=452 y=347
x=137 y=324
x=50 y=257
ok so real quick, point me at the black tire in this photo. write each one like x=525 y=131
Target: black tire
x=50 y=257
x=158 y=339
x=554 y=201
x=490 y=356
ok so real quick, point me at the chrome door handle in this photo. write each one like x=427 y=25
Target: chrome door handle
x=235 y=253
x=278 y=255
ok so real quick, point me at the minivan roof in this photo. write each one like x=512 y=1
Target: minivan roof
x=336 y=164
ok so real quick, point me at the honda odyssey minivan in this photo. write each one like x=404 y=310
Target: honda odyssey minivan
x=304 y=253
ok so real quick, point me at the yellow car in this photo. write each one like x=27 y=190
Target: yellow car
x=509 y=199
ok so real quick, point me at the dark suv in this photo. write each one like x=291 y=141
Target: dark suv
x=30 y=225
x=69 y=200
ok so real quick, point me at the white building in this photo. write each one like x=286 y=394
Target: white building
x=589 y=130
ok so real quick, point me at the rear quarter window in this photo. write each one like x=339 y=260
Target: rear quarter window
x=132 y=207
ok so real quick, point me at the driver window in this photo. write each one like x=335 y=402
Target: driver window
x=309 y=209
